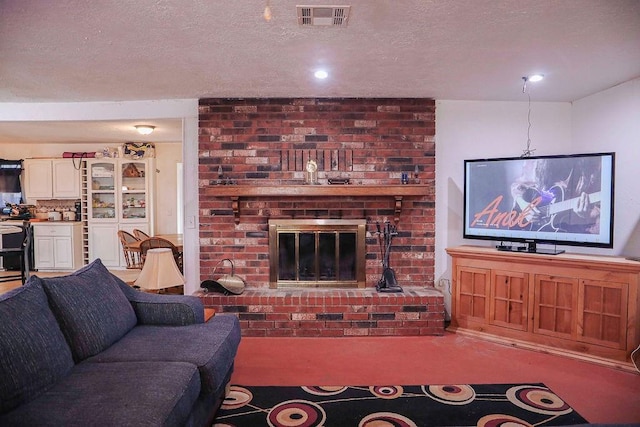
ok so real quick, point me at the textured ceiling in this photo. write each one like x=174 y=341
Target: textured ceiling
x=110 y=50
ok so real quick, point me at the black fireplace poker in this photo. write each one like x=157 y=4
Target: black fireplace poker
x=387 y=282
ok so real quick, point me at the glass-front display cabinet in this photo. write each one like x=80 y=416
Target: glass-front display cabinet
x=102 y=191
x=134 y=185
x=120 y=195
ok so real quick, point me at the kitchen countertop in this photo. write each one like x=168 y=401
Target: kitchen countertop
x=55 y=222
x=12 y=221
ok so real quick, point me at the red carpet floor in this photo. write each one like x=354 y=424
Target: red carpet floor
x=600 y=394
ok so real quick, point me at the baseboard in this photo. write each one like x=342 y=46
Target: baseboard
x=541 y=348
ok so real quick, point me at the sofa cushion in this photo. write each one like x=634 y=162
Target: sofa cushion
x=210 y=346
x=163 y=309
x=114 y=394
x=92 y=310
x=33 y=352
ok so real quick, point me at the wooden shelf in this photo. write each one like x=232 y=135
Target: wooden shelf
x=398 y=192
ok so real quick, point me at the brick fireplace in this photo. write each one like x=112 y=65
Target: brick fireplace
x=253 y=155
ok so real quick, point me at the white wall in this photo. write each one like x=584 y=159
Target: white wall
x=610 y=121
x=473 y=130
x=168 y=155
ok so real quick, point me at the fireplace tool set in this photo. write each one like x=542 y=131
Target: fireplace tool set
x=387 y=282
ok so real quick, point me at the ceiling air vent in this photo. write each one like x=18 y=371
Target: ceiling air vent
x=323 y=16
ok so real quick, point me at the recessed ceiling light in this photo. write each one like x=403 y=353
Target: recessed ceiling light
x=267 y=12
x=144 y=129
x=321 y=74
x=535 y=77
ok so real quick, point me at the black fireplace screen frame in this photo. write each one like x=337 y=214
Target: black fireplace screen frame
x=287 y=237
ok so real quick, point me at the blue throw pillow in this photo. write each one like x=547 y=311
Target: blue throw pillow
x=92 y=310
x=33 y=352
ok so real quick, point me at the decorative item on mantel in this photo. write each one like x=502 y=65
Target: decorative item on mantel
x=222 y=180
x=311 y=174
x=338 y=181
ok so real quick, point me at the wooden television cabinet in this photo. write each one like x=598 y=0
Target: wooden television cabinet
x=583 y=306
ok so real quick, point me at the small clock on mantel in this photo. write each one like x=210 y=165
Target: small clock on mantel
x=312 y=172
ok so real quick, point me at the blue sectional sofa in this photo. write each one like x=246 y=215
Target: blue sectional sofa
x=88 y=350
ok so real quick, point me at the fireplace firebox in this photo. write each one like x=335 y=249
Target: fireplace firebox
x=317 y=253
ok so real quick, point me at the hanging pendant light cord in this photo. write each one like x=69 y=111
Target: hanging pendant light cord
x=528 y=150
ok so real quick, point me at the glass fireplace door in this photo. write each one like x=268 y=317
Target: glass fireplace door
x=316 y=255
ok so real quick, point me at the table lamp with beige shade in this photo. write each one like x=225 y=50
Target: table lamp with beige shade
x=159 y=271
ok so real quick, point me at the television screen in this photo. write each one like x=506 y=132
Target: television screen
x=563 y=200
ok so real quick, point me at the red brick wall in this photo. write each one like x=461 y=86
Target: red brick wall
x=252 y=138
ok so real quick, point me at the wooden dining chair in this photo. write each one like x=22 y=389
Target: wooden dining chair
x=131 y=255
x=140 y=235
x=159 y=242
x=21 y=251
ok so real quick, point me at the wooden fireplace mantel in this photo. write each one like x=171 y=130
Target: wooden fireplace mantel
x=398 y=192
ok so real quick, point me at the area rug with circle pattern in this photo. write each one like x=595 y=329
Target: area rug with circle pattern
x=395 y=406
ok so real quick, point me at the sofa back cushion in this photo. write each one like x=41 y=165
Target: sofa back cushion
x=33 y=352
x=91 y=309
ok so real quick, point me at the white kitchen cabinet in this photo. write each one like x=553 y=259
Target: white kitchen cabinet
x=37 y=179
x=105 y=244
x=57 y=245
x=120 y=196
x=51 y=179
x=66 y=179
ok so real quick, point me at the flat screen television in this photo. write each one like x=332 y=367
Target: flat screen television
x=557 y=200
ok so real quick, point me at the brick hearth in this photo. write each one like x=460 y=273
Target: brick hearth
x=333 y=312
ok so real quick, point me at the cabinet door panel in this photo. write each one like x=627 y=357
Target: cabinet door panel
x=66 y=179
x=43 y=252
x=38 y=179
x=602 y=307
x=555 y=304
x=135 y=191
x=472 y=292
x=63 y=252
x=102 y=196
x=509 y=299
x=104 y=244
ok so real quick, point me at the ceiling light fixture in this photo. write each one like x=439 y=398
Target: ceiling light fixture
x=532 y=78
x=144 y=129
x=321 y=74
